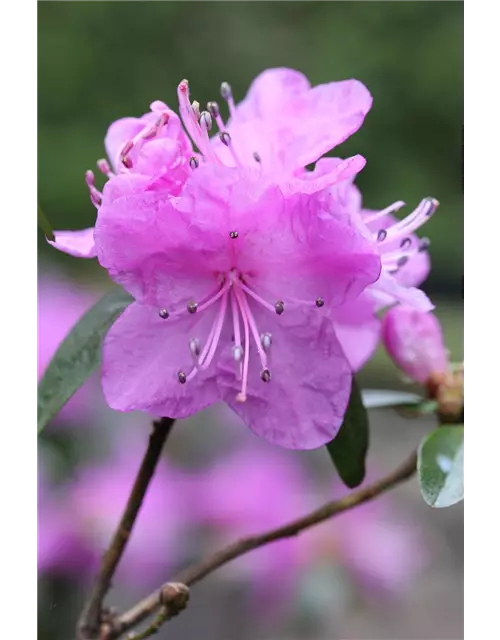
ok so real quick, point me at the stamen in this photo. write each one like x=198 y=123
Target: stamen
x=95 y=194
x=256 y=157
x=265 y=375
x=402 y=261
x=245 y=309
x=163 y=313
x=320 y=302
x=192 y=307
x=424 y=244
x=242 y=395
x=206 y=120
x=233 y=235
x=195 y=106
x=236 y=327
x=384 y=212
x=257 y=297
x=227 y=94
x=226 y=140
x=237 y=352
x=219 y=323
x=104 y=168
x=266 y=339
x=279 y=307
x=181 y=376
x=194 y=163
x=213 y=109
x=381 y=235
x=195 y=347
x=405 y=243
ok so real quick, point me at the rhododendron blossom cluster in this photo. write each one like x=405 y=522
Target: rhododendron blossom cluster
x=256 y=281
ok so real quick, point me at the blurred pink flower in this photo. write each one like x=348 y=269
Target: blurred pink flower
x=414 y=340
x=76 y=519
x=251 y=491
x=60 y=305
x=231 y=259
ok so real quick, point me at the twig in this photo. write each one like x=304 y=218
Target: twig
x=196 y=572
x=89 y=623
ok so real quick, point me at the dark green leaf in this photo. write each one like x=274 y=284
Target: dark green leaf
x=381 y=398
x=44 y=224
x=441 y=466
x=79 y=355
x=348 y=450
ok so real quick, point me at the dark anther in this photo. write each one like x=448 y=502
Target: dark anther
x=213 y=109
x=256 y=157
x=225 y=138
x=425 y=243
x=127 y=162
x=405 y=243
x=206 y=119
x=432 y=205
x=265 y=375
x=319 y=302
x=225 y=91
x=402 y=261
x=192 y=307
x=181 y=376
x=279 y=307
x=194 y=163
x=381 y=235
x=163 y=313
x=233 y=235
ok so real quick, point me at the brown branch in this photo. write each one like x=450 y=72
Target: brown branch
x=196 y=572
x=89 y=623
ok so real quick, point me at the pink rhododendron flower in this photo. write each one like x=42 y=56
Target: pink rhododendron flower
x=414 y=340
x=230 y=259
x=238 y=258
x=257 y=488
x=60 y=305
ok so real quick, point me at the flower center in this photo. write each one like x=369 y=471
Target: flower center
x=233 y=293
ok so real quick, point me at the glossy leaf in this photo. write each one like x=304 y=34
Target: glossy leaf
x=382 y=398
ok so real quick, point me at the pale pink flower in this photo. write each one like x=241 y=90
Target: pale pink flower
x=415 y=342
x=233 y=260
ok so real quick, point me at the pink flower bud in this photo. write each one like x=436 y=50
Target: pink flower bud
x=414 y=340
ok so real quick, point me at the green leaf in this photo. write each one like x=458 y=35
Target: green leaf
x=79 y=355
x=44 y=224
x=381 y=398
x=441 y=466
x=348 y=449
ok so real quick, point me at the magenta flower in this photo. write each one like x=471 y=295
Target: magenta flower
x=233 y=258
x=60 y=305
x=414 y=340
x=404 y=258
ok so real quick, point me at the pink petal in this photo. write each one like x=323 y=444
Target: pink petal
x=343 y=170
x=391 y=291
x=76 y=243
x=120 y=132
x=271 y=94
x=142 y=355
x=155 y=251
x=358 y=329
x=301 y=124
x=303 y=405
